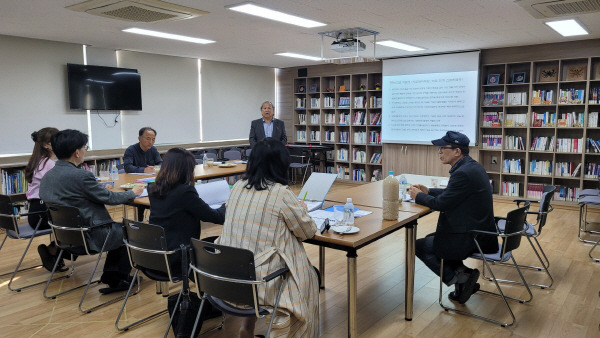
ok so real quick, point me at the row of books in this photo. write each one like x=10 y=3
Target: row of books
x=91 y=168
x=359 y=156
x=515 y=120
x=540 y=167
x=571 y=96
x=315 y=103
x=329 y=102
x=593 y=119
x=344 y=119
x=359 y=175
x=513 y=166
x=375 y=119
x=591 y=170
x=300 y=102
x=566 y=193
x=360 y=137
x=542 y=96
x=375 y=102
x=592 y=146
x=493 y=98
x=13 y=182
x=572 y=119
x=594 y=95
x=542 y=143
x=344 y=137
x=545 y=119
x=535 y=190
x=342 y=154
x=492 y=119
x=315 y=136
x=374 y=137
x=510 y=188
x=302 y=118
x=375 y=158
x=329 y=136
x=344 y=102
x=330 y=118
x=359 y=118
x=343 y=172
x=567 y=169
x=491 y=141
x=569 y=145
x=514 y=143
x=301 y=135
x=517 y=99
x=360 y=102
x=315 y=118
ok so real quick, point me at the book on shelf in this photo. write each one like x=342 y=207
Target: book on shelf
x=376 y=175
x=576 y=171
x=593 y=119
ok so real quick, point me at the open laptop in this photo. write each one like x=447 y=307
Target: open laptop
x=315 y=189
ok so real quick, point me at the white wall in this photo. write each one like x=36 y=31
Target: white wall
x=231 y=98
x=33 y=90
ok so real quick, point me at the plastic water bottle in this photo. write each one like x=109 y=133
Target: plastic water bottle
x=349 y=212
x=114 y=173
x=390 y=197
x=205 y=160
x=403 y=186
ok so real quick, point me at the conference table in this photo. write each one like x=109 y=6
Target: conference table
x=372 y=227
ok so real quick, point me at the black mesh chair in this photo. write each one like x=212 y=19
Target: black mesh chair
x=70 y=235
x=226 y=276
x=510 y=241
x=148 y=253
x=9 y=221
x=531 y=233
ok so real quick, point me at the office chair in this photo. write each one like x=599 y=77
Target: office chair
x=9 y=221
x=510 y=241
x=532 y=233
x=299 y=160
x=232 y=155
x=70 y=235
x=226 y=276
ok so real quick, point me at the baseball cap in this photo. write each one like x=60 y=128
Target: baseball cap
x=452 y=138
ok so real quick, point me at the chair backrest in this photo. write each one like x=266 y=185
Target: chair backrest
x=248 y=151
x=8 y=221
x=212 y=156
x=147 y=247
x=545 y=205
x=515 y=221
x=67 y=225
x=297 y=155
x=225 y=262
x=232 y=155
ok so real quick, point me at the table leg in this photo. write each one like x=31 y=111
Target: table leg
x=124 y=210
x=322 y=266
x=352 y=293
x=409 y=285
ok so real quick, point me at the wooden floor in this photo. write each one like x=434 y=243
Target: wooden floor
x=571 y=308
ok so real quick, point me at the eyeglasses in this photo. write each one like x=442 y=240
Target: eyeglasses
x=85 y=147
x=440 y=149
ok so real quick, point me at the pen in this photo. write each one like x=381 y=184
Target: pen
x=305 y=196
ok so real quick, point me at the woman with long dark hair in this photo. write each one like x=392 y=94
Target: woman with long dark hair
x=41 y=161
x=265 y=217
x=174 y=201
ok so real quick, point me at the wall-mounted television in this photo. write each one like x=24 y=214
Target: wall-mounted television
x=103 y=88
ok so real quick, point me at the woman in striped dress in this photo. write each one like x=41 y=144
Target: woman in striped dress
x=264 y=216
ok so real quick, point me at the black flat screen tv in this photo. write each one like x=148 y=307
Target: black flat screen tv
x=103 y=88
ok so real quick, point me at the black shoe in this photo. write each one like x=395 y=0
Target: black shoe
x=453 y=295
x=122 y=285
x=465 y=290
x=47 y=259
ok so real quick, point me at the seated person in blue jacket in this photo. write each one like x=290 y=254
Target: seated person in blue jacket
x=68 y=185
x=142 y=157
x=466 y=204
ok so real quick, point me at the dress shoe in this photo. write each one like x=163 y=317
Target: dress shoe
x=121 y=285
x=48 y=260
x=453 y=295
x=463 y=291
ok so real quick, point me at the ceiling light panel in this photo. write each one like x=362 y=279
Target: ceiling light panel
x=167 y=35
x=252 y=9
x=567 y=27
x=399 y=45
x=300 y=56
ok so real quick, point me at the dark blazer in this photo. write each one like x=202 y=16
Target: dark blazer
x=257 y=131
x=466 y=204
x=70 y=186
x=180 y=213
x=136 y=160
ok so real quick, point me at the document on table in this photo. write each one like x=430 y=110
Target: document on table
x=213 y=193
x=313 y=205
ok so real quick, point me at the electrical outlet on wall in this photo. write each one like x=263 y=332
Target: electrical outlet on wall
x=494 y=160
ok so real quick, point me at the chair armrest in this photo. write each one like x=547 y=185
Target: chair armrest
x=276 y=274
x=33 y=213
x=519 y=201
x=481 y=232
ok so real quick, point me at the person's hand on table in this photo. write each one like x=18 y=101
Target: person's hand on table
x=149 y=170
x=417 y=188
x=138 y=189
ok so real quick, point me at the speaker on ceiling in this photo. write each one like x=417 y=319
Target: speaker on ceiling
x=302 y=72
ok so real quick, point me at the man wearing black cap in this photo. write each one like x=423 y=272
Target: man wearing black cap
x=466 y=204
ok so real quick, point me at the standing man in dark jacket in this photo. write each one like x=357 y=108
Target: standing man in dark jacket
x=466 y=204
x=268 y=126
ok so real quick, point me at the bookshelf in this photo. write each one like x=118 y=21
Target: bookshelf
x=537 y=126
x=342 y=110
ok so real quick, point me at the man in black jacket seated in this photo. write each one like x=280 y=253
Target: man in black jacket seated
x=466 y=204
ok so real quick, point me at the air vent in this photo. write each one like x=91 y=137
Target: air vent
x=541 y=9
x=137 y=10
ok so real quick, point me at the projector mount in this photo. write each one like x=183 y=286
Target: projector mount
x=346 y=41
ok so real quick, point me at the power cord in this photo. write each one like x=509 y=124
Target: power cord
x=106 y=124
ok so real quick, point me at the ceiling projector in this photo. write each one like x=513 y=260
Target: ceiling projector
x=347 y=45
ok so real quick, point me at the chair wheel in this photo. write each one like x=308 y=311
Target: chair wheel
x=503 y=325
x=522 y=302
x=54 y=297
x=19 y=290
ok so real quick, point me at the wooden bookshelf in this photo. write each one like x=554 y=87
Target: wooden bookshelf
x=541 y=111
x=343 y=110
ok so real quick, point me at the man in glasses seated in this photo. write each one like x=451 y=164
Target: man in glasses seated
x=464 y=205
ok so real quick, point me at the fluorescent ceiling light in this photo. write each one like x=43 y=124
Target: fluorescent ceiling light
x=399 y=45
x=300 y=56
x=166 y=35
x=252 y=9
x=567 y=27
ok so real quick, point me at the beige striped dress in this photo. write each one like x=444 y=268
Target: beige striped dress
x=272 y=224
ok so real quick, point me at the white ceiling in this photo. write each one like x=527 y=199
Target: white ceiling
x=437 y=25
